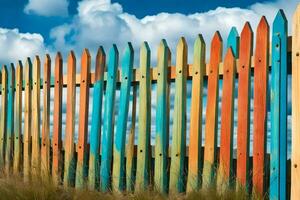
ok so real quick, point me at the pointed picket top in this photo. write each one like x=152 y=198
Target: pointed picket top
x=47 y=60
x=280 y=17
x=85 y=58
x=247 y=30
x=4 y=70
x=181 y=52
x=144 y=55
x=19 y=64
x=296 y=14
x=100 y=63
x=263 y=25
x=162 y=52
x=199 y=53
x=113 y=61
x=217 y=39
x=36 y=66
x=71 y=59
x=216 y=52
x=58 y=57
x=12 y=74
x=233 y=41
x=127 y=57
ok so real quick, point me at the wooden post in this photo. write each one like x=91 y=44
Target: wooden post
x=70 y=164
x=95 y=135
x=118 y=178
x=278 y=108
x=27 y=122
x=295 y=157
x=227 y=123
x=195 y=146
x=108 y=123
x=261 y=74
x=57 y=121
x=18 y=120
x=35 y=114
x=179 y=123
x=162 y=119
x=244 y=88
x=82 y=168
x=143 y=148
x=212 y=112
x=45 y=148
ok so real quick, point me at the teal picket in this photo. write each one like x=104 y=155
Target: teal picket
x=120 y=136
x=162 y=119
x=108 y=120
x=95 y=134
x=278 y=108
x=10 y=118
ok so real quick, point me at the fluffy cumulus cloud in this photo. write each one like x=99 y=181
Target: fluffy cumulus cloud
x=47 y=7
x=100 y=22
x=15 y=45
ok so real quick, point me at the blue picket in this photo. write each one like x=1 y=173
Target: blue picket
x=119 y=143
x=108 y=122
x=279 y=108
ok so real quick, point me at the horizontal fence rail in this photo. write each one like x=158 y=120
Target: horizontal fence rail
x=108 y=152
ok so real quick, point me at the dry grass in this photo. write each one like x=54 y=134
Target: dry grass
x=15 y=189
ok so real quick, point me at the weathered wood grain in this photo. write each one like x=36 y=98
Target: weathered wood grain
x=212 y=112
x=82 y=165
x=244 y=87
x=195 y=159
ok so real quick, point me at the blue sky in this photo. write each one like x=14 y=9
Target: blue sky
x=30 y=27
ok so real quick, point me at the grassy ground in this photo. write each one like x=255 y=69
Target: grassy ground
x=15 y=188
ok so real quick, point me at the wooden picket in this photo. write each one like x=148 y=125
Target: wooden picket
x=196 y=116
x=45 y=148
x=57 y=119
x=260 y=106
x=69 y=165
x=118 y=179
x=94 y=164
x=17 y=154
x=10 y=120
x=210 y=147
x=143 y=154
x=243 y=126
x=295 y=157
x=111 y=156
x=108 y=123
x=227 y=122
x=278 y=101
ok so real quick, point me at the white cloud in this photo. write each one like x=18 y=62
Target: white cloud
x=47 y=7
x=15 y=45
x=100 y=22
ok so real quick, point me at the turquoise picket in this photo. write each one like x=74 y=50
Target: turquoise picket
x=162 y=119
x=120 y=136
x=108 y=120
x=233 y=41
x=278 y=108
x=95 y=134
x=10 y=118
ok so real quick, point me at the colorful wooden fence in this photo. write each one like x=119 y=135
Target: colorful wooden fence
x=103 y=159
